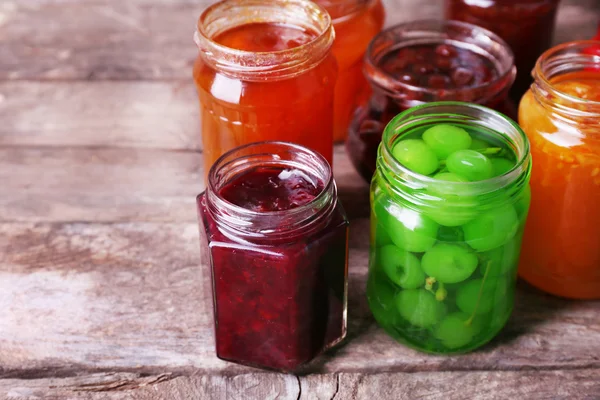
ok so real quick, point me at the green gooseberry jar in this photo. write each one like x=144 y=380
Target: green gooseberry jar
x=444 y=249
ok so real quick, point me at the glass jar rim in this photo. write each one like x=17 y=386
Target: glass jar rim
x=359 y=6
x=559 y=60
x=408 y=117
x=506 y=75
x=260 y=65
x=236 y=161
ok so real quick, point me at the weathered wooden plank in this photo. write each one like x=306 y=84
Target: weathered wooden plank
x=160 y=115
x=69 y=184
x=571 y=385
x=132 y=297
x=153 y=39
x=116 y=184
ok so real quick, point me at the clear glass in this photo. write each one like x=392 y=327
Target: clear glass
x=444 y=255
x=248 y=96
x=391 y=96
x=356 y=22
x=561 y=116
x=279 y=277
x=535 y=20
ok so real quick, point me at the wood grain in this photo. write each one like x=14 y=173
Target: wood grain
x=161 y=115
x=117 y=184
x=133 y=296
x=101 y=291
x=134 y=40
x=531 y=385
x=68 y=184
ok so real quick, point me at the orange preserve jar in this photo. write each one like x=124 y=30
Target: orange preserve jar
x=356 y=22
x=561 y=116
x=265 y=71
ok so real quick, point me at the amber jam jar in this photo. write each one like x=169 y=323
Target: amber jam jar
x=561 y=116
x=276 y=238
x=425 y=61
x=265 y=71
x=356 y=22
x=526 y=25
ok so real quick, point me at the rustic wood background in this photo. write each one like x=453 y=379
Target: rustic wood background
x=101 y=291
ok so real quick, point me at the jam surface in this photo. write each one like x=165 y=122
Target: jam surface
x=439 y=66
x=272 y=189
x=432 y=72
x=560 y=251
x=263 y=37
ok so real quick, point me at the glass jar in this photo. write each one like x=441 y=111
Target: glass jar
x=356 y=22
x=444 y=254
x=278 y=258
x=263 y=67
x=535 y=20
x=408 y=46
x=561 y=116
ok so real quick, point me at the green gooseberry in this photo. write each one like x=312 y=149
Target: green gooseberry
x=470 y=164
x=407 y=228
x=381 y=297
x=479 y=296
x=445 y=139
x=501 y=260
x=415 y=155
x=419 y=307
x=402 y=268
x=454 y=209
x=478 y=144
x=492 y=228
x=455 y=330
x=449 y=263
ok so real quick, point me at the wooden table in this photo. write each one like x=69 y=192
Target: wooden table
x=101 y=291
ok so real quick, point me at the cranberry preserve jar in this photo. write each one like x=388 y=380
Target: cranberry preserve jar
x=526 y=25
x=276 y=239
x=425 y=61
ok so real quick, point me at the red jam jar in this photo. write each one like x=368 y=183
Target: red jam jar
x=356 y=22
x=276 y=238
x=426 y=61
x=526 y=25
x=263 y=67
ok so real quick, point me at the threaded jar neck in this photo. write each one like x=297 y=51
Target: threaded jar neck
x=574 y=57
x=257 y=66
x=274 y=225
x=413 y=187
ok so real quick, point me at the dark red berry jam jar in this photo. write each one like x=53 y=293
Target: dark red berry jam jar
x=276 y=238
x=526 y=25
x=425 y=61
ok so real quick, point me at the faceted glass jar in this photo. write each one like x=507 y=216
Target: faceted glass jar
x=284 y=72
x=279 y=278
x=561 y=116
x=356 y=22
x=393 y=94
x=444 y=254
x=535 y=20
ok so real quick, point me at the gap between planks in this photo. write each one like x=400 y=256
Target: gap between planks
x=572 y=385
